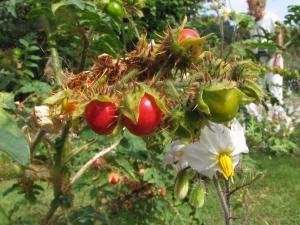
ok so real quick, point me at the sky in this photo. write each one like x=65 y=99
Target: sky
x=278 y=7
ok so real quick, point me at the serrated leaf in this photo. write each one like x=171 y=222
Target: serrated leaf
x=12 y=140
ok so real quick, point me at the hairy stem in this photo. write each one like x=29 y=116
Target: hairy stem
x=223 y=202
x=58 y=172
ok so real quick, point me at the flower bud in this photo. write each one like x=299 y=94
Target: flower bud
x=197 y=197
x=182 y=184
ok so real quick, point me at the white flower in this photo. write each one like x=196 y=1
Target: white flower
x=218 y=149
x=175 y=157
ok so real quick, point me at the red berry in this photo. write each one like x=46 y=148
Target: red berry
x=126 y=180
x=129 y=206
x=89 y=82
x=149 y=194
x=188 y=33
x=162 y=192
x=101 y=116
x=97 y=163
x=150 y=117
x=114 y=180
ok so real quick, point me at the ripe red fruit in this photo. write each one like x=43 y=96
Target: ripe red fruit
x=101 y=116
x=188 y=33
x=97 y=163
x=149 y=194
x=162 y=192
x=114 y=180
x=129 y=206
x=126 y=180
x=150 y=117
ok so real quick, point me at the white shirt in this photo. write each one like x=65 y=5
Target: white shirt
x=267 y=22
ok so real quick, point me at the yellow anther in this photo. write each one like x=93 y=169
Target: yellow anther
x=225 y=163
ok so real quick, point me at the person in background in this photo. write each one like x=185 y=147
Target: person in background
x=266 y=21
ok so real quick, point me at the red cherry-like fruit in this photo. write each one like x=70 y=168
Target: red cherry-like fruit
x=162 y=192
x=101 y=116
x=188 y=33
x=126 y=180
x=150 y=117
x=114 y=180
x=149 y=194
x=97 y=163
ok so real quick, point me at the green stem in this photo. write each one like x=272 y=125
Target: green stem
x=84 y=52
x=58 y=175
x=35 y=143
x=55 y=61
x=58 y=172
x=56 y=65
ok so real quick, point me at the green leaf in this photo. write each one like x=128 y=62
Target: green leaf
x=3 y=217
x=153 y=176
x=37 y=87
x=33 y=48
x=24 y=42
x=58 y=97
x=12 y=140
x=7 y=100
x=35 y=58
x=28 y=72
x=77 y=3
x=126 y=166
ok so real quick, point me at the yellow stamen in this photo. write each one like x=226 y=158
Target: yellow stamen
x=225 y=163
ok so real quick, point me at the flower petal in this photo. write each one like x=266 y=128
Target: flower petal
x=220 y=136
x=175 y=157
x=238 y=137
x=198 y=157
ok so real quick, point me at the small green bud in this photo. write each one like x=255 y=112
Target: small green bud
x=197 y=197
x=182 y=184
